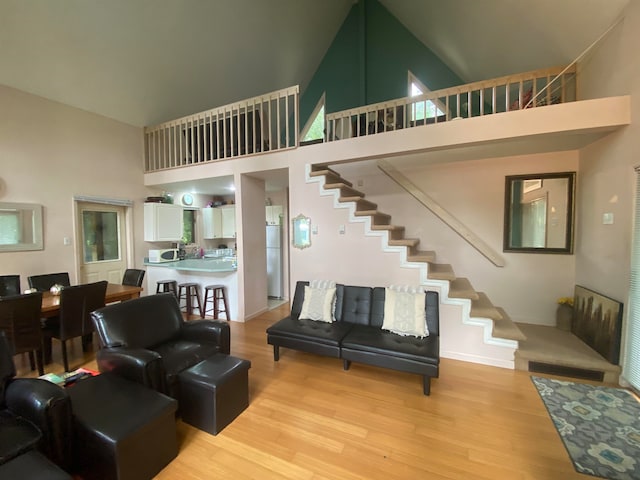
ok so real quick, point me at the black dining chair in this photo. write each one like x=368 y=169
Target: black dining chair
x=9 y=285
x=43 y=283
x=76 y=303
x=20 y=320
x=133 y=277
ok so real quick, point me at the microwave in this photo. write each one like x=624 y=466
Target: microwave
x=165 y=255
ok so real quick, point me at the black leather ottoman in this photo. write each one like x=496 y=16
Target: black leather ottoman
x=124 y=430
x=32 y=466
x=214 y=392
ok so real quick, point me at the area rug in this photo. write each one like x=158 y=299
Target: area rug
x=600 y=426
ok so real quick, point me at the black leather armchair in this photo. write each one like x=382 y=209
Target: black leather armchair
x=147 y=340
x=34 y=414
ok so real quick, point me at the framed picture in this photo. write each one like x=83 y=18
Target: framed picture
x=597 y=321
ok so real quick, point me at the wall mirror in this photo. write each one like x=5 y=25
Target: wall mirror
x=539 y=213
x=20 y=227
x=301 y=231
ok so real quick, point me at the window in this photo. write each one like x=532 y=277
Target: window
x=631 y=364
x=314 y=129
x=100 y=231
x=421 y=110
x=189 y=228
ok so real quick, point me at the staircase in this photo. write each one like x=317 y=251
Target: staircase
x=477 y=309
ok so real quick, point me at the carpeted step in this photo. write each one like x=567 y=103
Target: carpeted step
x=421 y=256
x=482 y=307
x=396 y=232
x=548 y=349
x=441 y=271
x=361 y=203
x=506 y=328
x=462 y=288
x=345 y=190
x=330 y=176
x=377 y=218
x=404 y=242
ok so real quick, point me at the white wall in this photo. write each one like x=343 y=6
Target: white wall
x=607 y=178
x=528 y=286
x=50 y=152
x=252 y=266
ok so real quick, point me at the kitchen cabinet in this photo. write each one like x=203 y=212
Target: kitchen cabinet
x=219 y=222
x=211 y=223
x=273 y=214
x=228 y=221
x=163 y=222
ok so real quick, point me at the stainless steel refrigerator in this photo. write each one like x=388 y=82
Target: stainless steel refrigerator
x=274 y=261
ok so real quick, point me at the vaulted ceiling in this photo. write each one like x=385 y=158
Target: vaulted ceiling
x=147 y=61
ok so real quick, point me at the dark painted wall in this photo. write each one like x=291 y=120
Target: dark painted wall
x=368 y=63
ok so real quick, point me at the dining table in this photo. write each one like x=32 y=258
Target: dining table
x=115 y=293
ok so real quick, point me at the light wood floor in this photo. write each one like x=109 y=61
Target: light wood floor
x=309 y=419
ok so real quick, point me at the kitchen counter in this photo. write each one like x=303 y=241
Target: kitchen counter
x=224 y=264
x=203 y=272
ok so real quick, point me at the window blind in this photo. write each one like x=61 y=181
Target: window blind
x=631 y=369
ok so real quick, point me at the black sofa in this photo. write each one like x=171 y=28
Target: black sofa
x=356 y=335
x=35 y=416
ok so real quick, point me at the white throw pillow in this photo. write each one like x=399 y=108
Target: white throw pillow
x=318 y=304
x=404 y=313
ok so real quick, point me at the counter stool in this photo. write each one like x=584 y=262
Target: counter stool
x=218 y=293
x=167 y=286
x=188 y=292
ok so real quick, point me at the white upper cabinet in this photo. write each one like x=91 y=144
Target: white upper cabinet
x=211 y=223
x=273 y=214
x=219 y=222
x=228 y=221
x=163 y=222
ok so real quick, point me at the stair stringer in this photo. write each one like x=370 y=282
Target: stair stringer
x=503 y=350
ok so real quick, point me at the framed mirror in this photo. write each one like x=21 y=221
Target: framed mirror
x=301 y=231
x=539 y=213
x=20 y=227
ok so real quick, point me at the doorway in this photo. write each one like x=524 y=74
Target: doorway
x=101 y=242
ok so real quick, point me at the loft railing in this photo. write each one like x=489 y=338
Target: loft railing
x=264 y=123
x=504 y=94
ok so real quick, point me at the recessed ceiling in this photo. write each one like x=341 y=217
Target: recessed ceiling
x=147 y=61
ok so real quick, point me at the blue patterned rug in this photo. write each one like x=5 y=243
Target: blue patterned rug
x=600 y=426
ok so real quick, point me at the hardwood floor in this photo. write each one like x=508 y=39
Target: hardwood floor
x=309 y=419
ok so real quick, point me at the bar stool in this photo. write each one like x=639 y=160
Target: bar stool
x=218 y=293
x=187 y=292
x=167 y=286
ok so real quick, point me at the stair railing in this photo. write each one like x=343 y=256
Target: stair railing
x=498 y=95
x=264 y=123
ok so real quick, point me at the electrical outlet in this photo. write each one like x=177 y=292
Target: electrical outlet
x=607 y=218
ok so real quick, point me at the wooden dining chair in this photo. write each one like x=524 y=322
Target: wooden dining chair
x=43 y=283
x=133 y=277
x=20 y=320
x=9 y=285
x=76 y=303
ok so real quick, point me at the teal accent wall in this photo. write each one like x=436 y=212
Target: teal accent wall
x=368 y=63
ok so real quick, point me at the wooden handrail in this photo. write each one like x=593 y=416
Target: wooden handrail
x=457 y=226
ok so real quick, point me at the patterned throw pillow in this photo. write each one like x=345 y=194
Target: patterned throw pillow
x=404 y=313
x=318 y=304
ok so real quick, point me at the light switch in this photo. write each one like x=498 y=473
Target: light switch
x=607 y=218
x=341 y=229
x=314 y=229
x=66 y=241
